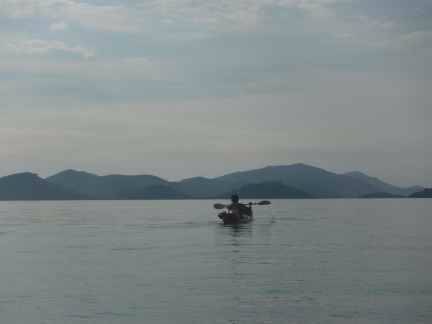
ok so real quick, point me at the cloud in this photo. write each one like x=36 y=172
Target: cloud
x=224 y=15
x=290 y=68
x=217 y=15
x=99 y=17
x=97 y=70
x=340 y=18
x=58 y=26
x=42 y=47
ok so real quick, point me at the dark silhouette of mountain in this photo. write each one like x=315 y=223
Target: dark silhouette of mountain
x=105 y=187
x=269 y=190
x=426 y=193
x=379 y=195
x=315 y=181
x=157 y=192
x=381 y=186
x=28 y=186
x=308 y=179
x=286 y=181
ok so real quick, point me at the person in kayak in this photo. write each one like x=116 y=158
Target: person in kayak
x=238 y=209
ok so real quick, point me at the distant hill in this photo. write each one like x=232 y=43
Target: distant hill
x=318 y=182
x=269 y=190
x=426 y=193
x=315 y=181
x=379 y=195
x=381 y=186
x=306 y=179
x=105 y=187
x=284 y=181
x=28 y=186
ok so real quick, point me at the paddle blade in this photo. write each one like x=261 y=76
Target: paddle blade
x=219 y=206
x=264 y=203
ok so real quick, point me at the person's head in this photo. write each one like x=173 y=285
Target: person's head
x=235 y=198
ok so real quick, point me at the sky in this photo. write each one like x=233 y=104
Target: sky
x=181 y=88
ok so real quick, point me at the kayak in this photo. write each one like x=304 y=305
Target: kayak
x=230 y=218
x=246 y=213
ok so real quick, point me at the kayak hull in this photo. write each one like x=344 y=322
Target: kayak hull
x=230 y=218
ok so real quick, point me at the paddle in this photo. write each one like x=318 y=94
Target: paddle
x=260 y=203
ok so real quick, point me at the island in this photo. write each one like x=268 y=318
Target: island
x=426 y=193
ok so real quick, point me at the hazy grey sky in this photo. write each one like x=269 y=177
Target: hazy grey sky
x=192 y=87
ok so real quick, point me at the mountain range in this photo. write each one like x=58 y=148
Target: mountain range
x=426 y=193
x=28 y=186
x=286 y=181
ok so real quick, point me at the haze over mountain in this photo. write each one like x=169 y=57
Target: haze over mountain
x=383 y=186
x=286 y=181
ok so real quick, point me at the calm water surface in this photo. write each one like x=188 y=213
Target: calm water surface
x=311 y=261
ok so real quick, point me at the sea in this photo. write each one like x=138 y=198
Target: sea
x=299 y=261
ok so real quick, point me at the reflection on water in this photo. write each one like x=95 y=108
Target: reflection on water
x=238 y=230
